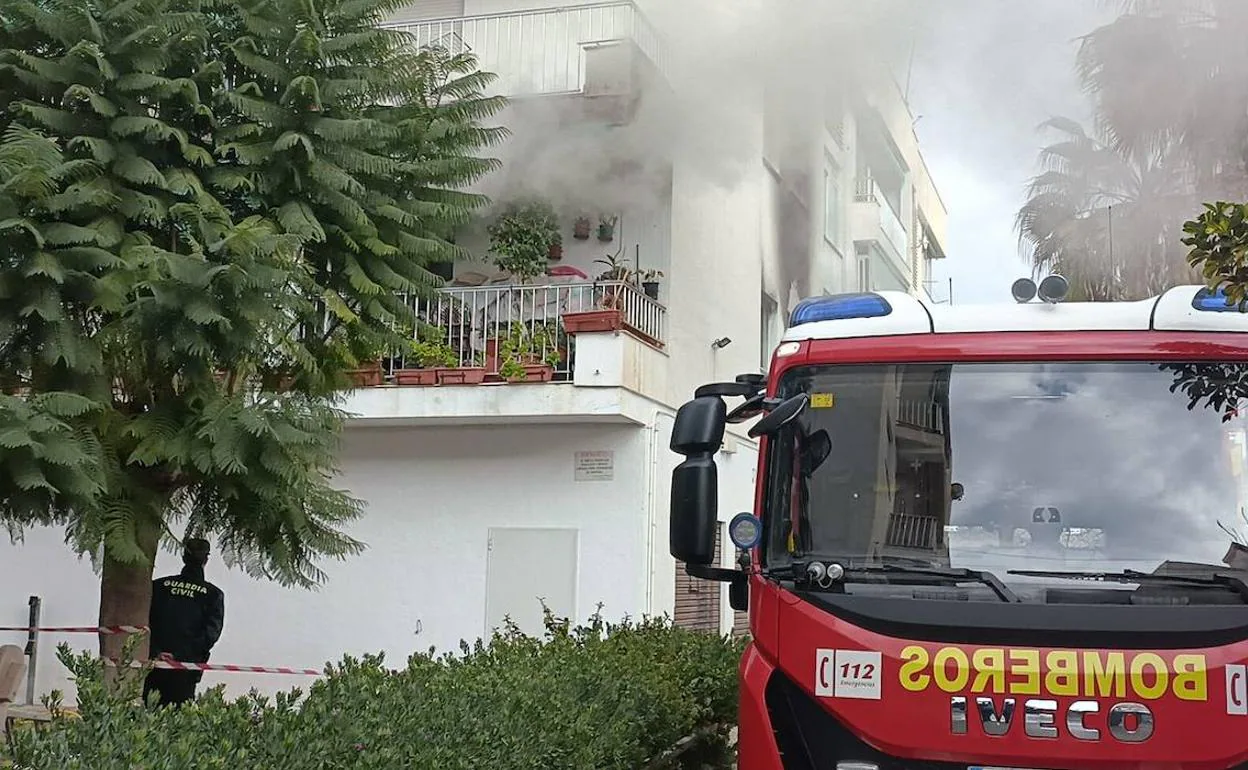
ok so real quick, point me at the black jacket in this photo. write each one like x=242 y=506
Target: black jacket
x=186 y=617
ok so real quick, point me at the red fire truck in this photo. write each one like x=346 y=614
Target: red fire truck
x=987 y=537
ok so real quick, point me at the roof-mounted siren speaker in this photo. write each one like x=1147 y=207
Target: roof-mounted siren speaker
x=1024 y=290
x=1053 y=289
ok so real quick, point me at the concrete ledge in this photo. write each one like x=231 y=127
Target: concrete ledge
x=494 y=404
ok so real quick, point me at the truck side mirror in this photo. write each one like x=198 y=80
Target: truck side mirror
x=697 y=434
x=784 y=413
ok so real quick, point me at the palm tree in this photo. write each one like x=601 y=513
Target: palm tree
x=1109 y=221
x=1173 y=75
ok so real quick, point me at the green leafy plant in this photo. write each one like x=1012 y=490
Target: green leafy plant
x=1218 y=243
x=522 y=236
x=530 y=344
x=616 y=269
x=602 y=695
x=202 y=204
x=431 y=351
x=606 y=227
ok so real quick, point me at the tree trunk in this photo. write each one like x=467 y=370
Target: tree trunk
x=125 y=599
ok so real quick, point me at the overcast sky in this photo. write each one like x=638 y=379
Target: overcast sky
x=986 y=74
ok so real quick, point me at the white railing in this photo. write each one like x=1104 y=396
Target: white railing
x=908 y=531
x=867 y=190
x=472 y=318
x=540 y=51
x=923 y=415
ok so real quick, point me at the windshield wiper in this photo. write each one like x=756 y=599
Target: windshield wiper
x=971 y=575
x=1212 y=580
x=801 y=574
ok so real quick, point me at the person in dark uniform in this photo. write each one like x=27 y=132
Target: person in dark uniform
x=186 y=619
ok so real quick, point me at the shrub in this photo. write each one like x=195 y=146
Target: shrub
x=596 y=696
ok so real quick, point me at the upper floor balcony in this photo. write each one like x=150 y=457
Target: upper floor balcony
x=598 y=49
x=567 y=349
x=875 y=220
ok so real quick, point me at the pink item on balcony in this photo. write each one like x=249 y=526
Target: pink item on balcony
x=566 y=271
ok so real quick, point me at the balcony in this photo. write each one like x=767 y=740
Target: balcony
x=473 y=320
x=874 y=220
x=574 y=351
x=924 y=416
x=595 y=50
x=908 y=531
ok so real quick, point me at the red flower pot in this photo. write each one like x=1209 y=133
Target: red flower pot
x=593 y=321
x=466 y=375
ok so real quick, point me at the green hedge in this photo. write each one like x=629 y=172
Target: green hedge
x=597 y=696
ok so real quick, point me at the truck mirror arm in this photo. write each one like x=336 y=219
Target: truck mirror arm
x=719 y=574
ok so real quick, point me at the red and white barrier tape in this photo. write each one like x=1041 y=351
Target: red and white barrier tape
x=79 y=629
x=172 y=665
x=175 y=665
x=179 y=666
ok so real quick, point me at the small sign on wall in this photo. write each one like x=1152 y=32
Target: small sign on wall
x=595 y=466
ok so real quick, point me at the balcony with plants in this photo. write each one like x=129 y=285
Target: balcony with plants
x=513 y=313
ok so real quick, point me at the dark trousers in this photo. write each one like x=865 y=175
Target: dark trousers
x=173 y=688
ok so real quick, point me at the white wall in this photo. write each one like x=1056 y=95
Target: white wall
x=432 y=494
x=716 y=281
x=737 y=463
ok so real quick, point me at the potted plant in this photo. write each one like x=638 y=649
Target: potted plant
x=580 y=228
x=431 y=354
x=528 y=354
x=524 y=237
x=367 y=372
x=606 y=228
x=650 y=283
x=616 y=269
x=472 y=372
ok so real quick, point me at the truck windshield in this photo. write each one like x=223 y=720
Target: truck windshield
x=1098 y=467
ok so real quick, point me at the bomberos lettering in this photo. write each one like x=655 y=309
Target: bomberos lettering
x=991 y=686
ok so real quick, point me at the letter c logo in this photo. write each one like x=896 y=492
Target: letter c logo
x=1237 y=689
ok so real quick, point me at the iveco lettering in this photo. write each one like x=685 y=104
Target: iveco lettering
x=986 y=537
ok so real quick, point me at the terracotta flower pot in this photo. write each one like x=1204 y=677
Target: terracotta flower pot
x=464 y=375
x=368 y=376
x=593 y=321
x=535 y=373
x=408 y=377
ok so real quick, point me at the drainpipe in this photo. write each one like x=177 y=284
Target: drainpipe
x=652 y=513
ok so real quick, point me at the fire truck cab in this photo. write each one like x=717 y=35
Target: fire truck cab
x=987 y=537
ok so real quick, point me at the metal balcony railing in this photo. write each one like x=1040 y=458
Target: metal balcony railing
x=867 y=190
x=908 y=531
x=471 y=317
x=540 y=51
x=924 y=415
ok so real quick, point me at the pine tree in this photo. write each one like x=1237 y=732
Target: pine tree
x=227 y=203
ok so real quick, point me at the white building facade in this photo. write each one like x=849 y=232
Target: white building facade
x=487 y=498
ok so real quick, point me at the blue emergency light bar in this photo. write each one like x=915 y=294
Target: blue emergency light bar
x=840 y=307
x=1215 y=302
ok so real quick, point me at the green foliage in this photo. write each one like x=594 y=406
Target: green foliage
x=522 y=236
x=528 y=344
x=600 y=696
x=1218 y=243
x=1110 y=224
x=1169 y=132
x=430 y=349
x=204 y=203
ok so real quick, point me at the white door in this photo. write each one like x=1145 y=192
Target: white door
x=524 y=568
